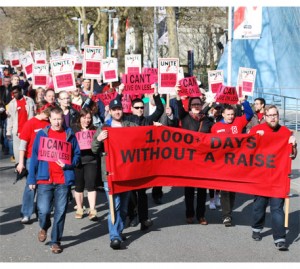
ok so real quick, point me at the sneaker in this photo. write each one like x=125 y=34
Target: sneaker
x=217 y=200
x=25 y=220
x=281 y=246
x=212 y=205
x=256 y=236
x=227 y=221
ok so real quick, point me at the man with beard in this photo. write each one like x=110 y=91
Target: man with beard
x=276 y=204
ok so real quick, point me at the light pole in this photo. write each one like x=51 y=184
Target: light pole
x=79 y=30
x=109 y=12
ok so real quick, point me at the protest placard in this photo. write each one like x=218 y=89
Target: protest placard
x=63 y=75
x=167 y=75
x=106 y=97
x=136 y=84
x=40 y=75
x=27 y=64
x=215 y=80
x=52 y=150
x=133 y=63
x=227 y=95
x=14 y=57
x=110 y=70
x=85 y=139
x=126 y=103
x=92 y=61
x=189 y=87
x=246 y=81
x=152 y=72
x=54 y=54
x=40 y=56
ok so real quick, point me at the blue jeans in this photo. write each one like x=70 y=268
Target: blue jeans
x=120 y=206
x=28 y=197
x=277 y=216
x=48 y=197
x=8 y=143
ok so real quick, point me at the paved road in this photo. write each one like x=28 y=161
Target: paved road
x=169 y=240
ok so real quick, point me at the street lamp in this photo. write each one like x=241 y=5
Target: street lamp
x=79 y=30
x=109 y=12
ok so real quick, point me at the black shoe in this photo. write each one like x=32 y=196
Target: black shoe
x=146 y=224
x=256 y=236
x=157 y=201
x=115 y=244
x=124 y=237
x=281 y=246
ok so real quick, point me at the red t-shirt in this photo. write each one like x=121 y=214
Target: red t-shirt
x=55 y=171
x=267 y=129
x=236 y=127
x=22 y=113
x=29 y=132
x=260 y=115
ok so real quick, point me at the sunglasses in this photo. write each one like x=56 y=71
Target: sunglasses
x=138 y=107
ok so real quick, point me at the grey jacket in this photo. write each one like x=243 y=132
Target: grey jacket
x=98 y=147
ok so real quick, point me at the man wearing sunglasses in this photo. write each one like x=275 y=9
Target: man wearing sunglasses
x=137 y=108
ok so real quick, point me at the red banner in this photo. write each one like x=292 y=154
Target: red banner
x=165 y=156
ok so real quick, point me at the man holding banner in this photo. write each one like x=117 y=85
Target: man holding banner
x=276 y=204
x=230 y=124
x=55 y=154
x=137 y=108
x=119 y=204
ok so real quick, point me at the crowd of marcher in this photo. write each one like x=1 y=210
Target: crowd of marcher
x=28 y=115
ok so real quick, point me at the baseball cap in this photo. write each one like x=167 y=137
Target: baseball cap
x=115 y=103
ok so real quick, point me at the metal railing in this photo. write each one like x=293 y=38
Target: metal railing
x=289 y=107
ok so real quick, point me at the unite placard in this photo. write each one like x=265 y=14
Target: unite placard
x=110 y=70
x=93 y=56
x=40 y=76
x=133 y=63
x=27 y=64
x=215 y=80
x=63 y=75
x=167 y=75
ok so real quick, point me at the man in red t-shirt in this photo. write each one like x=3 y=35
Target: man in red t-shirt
x=51 y=168
x=276 y=204
x=27 y=137
x=230 y=124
